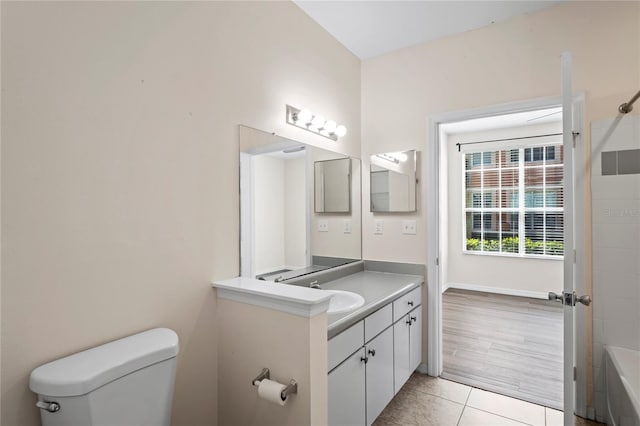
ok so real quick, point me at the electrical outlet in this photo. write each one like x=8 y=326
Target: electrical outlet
x=378 y=227
x=346 y=226
x=409 y=227
x=323 y=225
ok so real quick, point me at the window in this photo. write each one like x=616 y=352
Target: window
x=514 y=201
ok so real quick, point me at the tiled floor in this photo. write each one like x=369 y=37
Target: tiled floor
x=432 y=401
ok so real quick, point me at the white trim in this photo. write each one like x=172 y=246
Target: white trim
x=434 y=286
x=434 y=148
x=581 y=313
x=569 y=209
x=247 y=224
x=498 y=290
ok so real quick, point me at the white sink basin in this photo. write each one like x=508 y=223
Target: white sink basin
x=344 y=301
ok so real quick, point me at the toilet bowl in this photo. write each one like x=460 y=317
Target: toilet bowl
x=125 y=382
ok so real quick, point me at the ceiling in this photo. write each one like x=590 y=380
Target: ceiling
x=518 y=119
x=372 y=28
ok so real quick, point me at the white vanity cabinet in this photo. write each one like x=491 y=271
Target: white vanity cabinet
x=347 y=391
x=407 y=336
x=379 y=377
x=370 y=361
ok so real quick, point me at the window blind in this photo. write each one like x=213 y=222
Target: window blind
x=514 y=201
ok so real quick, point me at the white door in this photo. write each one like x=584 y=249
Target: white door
x=569 y=298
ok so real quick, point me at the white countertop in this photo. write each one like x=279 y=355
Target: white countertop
x=377 y=289
x=296 y=300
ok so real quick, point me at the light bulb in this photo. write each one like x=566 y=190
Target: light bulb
x=341 y=131
x=318 y=122
x=303 y=116
x=330 y=126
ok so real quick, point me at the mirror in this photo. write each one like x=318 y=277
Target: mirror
x=393 y=182
x=299 y=205
x=332 y=183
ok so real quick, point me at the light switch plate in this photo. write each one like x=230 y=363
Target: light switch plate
x=378 y=227
x=409 y=227
x=323 y=225
x=346 y=226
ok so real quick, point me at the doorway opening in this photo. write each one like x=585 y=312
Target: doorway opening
x=501 y=252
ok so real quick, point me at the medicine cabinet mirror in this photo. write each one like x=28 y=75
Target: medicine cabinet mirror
x=393 y=182
x=332 y=182
x=286 y=230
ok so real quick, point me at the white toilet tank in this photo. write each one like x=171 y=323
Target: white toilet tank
x=122 y=383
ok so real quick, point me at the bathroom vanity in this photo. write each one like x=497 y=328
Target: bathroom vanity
x=373 y=350
x=306 y=306
x=369 y=351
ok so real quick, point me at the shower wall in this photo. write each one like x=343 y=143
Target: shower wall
x=615 y=186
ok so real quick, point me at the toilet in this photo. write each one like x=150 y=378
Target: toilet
x=125 y=382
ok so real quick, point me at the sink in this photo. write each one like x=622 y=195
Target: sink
x=344 y=301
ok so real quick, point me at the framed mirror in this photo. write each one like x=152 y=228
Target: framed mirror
x=393 y=182
x=332 y=186
x=281 y=234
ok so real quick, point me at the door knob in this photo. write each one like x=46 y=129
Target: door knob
x=585 y=300
x=372 y=352
x=555 y=297
x=364 y=359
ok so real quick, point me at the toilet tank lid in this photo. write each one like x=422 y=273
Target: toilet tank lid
x=85 y=371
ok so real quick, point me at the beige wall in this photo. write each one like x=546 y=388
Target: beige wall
x=292 y=347
x=514 y=60
x=120 y=170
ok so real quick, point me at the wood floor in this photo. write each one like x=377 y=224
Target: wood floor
x=504 y=344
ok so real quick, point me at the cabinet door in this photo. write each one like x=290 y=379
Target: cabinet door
x=380 y=389
x=402 y=369
x=347 y=392
x=415 y=339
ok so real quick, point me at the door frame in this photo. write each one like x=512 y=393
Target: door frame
x=435 y=150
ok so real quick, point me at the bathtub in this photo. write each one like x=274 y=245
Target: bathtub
x=622 y=384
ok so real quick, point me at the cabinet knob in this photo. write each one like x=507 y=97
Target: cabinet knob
x=410 y=303
x=364 y=359
x=413 y=319
x=408 y=321
x=372 y=352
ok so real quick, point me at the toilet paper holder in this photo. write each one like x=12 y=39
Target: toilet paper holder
x=291 y=388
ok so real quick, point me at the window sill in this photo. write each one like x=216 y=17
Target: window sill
x=512 y=255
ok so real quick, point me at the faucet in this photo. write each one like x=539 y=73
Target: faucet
x=314 y=284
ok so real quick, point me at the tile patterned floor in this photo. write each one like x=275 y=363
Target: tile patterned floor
x=432 y=401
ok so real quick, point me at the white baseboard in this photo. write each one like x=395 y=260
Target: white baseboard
x=497 y=290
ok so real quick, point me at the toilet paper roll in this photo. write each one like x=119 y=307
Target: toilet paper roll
x=270 y=391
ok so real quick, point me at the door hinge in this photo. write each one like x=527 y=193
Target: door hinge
x=575 y=135
x=437 y=261
x=575 y=373
x=575 y=256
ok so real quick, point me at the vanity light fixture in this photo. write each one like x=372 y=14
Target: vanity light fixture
x=315 y=123
x=294 y=149
x=394 y=157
